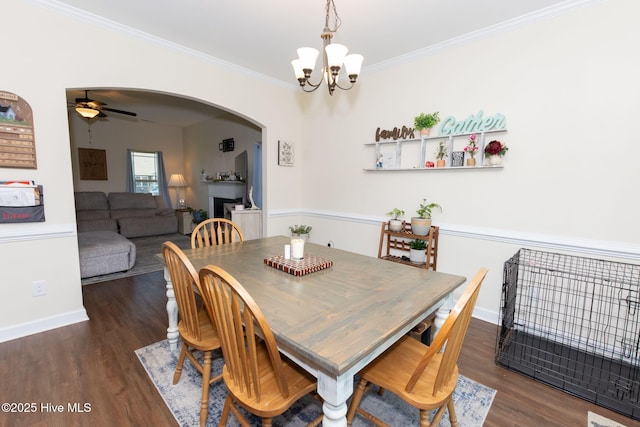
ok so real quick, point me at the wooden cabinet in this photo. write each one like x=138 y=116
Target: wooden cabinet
x=185 y=221
x=249 y=221
x=394 y=245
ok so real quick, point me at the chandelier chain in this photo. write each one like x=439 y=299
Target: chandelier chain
x=337 y=21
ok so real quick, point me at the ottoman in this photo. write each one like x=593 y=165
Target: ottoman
x=104 y=252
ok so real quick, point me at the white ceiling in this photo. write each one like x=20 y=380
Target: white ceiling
x=262 y=35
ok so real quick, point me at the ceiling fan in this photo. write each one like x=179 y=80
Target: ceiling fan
x=90 y=108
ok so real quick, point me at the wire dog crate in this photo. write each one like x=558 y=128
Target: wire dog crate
x=573 y=323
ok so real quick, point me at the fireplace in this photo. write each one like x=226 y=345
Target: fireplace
x=225 y=192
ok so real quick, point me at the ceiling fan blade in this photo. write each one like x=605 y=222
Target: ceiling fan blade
x=113 y=110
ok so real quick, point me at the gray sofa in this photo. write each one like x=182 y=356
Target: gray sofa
x=130 y=214
x=105 y=222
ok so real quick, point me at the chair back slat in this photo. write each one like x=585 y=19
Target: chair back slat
x=450 y=337
x=216 y=231
x=242 y=329
x=185 y=282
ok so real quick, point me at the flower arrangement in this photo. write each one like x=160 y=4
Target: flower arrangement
x=472 y=148
x=495 y=148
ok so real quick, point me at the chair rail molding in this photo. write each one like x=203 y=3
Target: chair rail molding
x=629 y=251
x=37 y=231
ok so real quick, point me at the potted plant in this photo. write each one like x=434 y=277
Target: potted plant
x=417 y=251
x=494 y=152
x=395 y=224
x=424 y=122
x=203 y=175
x=199 y=215
x=421 y=224
x=471 y=150
x=440 y=154
x=300 y=231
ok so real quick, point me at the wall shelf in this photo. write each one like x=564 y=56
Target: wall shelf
x=395 y=156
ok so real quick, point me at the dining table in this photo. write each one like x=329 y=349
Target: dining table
x=335 y=313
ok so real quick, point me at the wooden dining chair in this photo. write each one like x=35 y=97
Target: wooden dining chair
x=215 y=231
x=195 y=326
x=423 y=376
x=257 y=378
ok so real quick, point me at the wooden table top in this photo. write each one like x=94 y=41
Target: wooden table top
x=330 y=319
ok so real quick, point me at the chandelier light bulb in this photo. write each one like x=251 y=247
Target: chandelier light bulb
x=353 y=64
x=308 y=56
x=297 y=68
x=335 y=54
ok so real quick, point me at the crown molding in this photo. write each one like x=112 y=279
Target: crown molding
x=547 y=13
x=107 y=24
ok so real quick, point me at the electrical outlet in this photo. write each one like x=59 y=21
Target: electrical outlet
x=39 y=288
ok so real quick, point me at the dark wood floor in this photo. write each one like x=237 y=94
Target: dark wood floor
x=94 y=362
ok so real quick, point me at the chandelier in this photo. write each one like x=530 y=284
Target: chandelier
x=333 y=58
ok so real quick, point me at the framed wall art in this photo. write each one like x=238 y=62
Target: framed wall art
x=17 y=143
x=93 y=164
x=285 y=153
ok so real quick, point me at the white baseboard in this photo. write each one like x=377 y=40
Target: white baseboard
x=41 y=325
x=486 y=315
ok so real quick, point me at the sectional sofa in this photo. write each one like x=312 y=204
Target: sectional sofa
x=106 y=222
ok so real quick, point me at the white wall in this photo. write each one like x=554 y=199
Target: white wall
x=115 y=136
x=567 y=86
x=44 y=67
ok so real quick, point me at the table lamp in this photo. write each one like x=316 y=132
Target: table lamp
x=177 y=180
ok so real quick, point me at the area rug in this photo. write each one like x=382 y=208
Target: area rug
x=595 y=420
x=472 y=400
x=146 y=260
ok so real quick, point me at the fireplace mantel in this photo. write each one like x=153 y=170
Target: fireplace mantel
x=227 y=191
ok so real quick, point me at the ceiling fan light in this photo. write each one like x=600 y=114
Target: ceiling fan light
x=88 y=113
x=335 y=54
x=307 y=57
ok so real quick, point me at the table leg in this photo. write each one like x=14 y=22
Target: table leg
x=441 y=315
x=172 y=313
x=334 y=392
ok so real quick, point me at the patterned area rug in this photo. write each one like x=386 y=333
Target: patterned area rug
x=595 y=420
x=472 y=400
x=146 y=261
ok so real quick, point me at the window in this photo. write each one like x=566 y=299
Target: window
x=145 y=172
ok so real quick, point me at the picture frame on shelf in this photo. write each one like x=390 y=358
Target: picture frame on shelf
x=457 y=158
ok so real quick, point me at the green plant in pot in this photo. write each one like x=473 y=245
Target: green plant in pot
x=301 y=231
x=417 y=252
x=441 y=152
x=199 y=215
x=424 y=122
x=395 y=224
x=421 y=224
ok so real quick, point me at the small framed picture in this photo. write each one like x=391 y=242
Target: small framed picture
x=457 y=158
x=93 y=164
x=285 y=153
